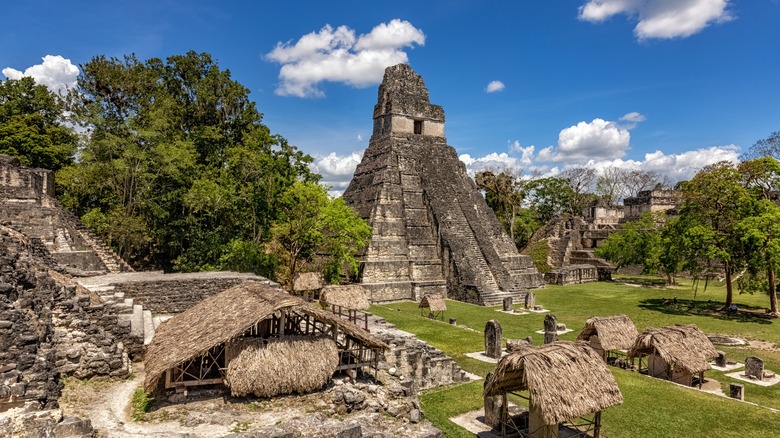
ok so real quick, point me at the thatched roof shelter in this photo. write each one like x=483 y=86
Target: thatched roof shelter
x=683 y=347
x=307 y=281
x=615 y=332
x=566 y=380
x=299 y=365
x=434 y=302
x=352 y=297
x=226 y=316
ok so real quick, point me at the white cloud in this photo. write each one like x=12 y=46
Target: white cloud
x=337 y=170
x=494 y=86
x=598 y=139
x=660 y=18
x=55 y=72
x=360 y=137
x=633 y=117
x=492 y=161
x=336 y=55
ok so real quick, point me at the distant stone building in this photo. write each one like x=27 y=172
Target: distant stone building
x=29 y=206
x=651 y=201
x=432 y=230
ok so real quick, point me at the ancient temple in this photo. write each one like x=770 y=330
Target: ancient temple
x=432 y=230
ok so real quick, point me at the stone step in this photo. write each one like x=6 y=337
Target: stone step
x=137 y=321
x=128 y=302
x=99 y=289
x=148 y=327
x=159 y=320
x=119 y=296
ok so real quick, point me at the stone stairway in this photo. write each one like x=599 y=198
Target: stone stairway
x=490 y=293
x=142 y=324
x=110 y=259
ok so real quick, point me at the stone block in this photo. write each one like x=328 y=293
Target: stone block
x=754 y=368
x=737 y=391
x=493 y=341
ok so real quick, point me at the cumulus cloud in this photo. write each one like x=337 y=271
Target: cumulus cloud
x=337 y=170
x=494 y=86
x=598 y=139
x=55 y=72
x=660 y=18
x=492 y=161
x=337 y=55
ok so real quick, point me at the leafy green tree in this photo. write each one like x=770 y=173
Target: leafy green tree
x=31 y=125
x=178 y=171
x=314 y=226
x=714 y=201
x=761 y=236
x=503 y=193
x=767 y=147
x=548 y=197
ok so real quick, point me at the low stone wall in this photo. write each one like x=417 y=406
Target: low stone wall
x=572 y=274
x=168 y=293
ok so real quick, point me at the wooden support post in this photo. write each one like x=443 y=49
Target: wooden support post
x=504 y=414
x=597 y=427
x=282 y=322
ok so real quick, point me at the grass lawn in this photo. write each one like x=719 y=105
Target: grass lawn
x=652 y=407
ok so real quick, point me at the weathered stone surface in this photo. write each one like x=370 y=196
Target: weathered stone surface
x=737 y=391
x=432 y=230
x=493 y=341
x=507 y=304
x=530 y=300
x=754 y=368
x=720 y=360
x=550 y=328
x=493 y=406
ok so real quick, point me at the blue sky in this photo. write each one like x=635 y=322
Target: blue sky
x=661 y=85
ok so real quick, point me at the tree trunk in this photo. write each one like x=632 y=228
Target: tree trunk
x=729 y=289
x=772 y=292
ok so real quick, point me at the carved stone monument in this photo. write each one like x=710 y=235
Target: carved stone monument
x=737 y=391
x=550 y=329
x=530 y=300
x=507 y=304
x=433 y=232
x=493 y=343
x=493 y=407
x=720 y=360
x=754 y=368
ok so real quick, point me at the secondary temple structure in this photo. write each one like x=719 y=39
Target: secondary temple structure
x=433 y=233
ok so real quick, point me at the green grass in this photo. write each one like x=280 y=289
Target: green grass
x=652 y=407
x=140 y=404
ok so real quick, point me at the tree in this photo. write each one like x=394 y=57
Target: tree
x=580 y=180
x=714 y=201
x=503 y=193
x=314 y=225
x=767 y=147
x=178 y=171
x=31 y=125
x=610 y=184
x=548 y=197
x=761 y=236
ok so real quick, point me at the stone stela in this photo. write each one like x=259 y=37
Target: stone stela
x=433 y=232
x=550 y=329
x=493 y=341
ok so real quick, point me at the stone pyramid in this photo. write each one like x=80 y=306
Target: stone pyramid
x=432 y=230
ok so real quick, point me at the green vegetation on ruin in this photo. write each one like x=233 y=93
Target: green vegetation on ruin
x=652 y=407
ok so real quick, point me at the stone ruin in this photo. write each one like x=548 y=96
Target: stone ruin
x=29 y=206
x=432 y=230
x=550 y=329
x=493 y=341
x=573 y=240
x=754 y=368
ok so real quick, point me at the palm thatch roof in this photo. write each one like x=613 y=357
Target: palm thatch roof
x=435 y=302
x=299 y=365
x=307 y=281
x=681 y=346
x=352 y=296
x=615 y=332
x=225 y=316
x=566 y=380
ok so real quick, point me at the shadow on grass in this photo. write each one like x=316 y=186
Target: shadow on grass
x=706 y=308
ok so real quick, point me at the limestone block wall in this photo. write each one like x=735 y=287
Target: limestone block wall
x=168 y=293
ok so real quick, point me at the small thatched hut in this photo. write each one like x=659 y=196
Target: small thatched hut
x=564 y=381
x=435 y=305
x=610 y=336
x=677 y=353
x=307 y=283
x=346 y=301
x=256 y=325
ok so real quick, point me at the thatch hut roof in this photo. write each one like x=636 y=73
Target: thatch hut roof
x=351 y=296
x=681 y=346
x=225 y=316
x=615 y=332
x=566 y=380
x=267 y=368
x=307 y=281
x=435 y=302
